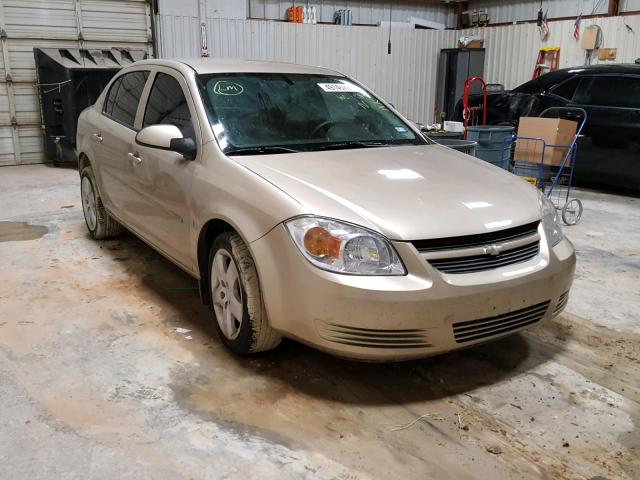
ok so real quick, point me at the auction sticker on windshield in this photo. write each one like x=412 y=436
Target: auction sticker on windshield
x=340 y=87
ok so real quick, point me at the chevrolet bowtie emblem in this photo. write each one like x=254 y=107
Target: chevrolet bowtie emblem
x=492 y=250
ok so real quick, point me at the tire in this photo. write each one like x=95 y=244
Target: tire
x=233 y=283
x=100 y=224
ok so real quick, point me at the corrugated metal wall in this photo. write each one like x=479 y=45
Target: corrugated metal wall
x=406 y=77
x=54 y=23
x=512 y=50
x=364 y=12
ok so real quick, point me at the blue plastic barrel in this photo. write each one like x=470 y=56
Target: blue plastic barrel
x=491 y=143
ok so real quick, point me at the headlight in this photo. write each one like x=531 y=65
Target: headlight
x=344 y=248
x=550 y=221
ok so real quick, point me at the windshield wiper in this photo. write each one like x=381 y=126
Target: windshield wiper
x=348 y=145
x=265 y=150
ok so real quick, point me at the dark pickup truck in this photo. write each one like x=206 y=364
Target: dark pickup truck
x=609 y=151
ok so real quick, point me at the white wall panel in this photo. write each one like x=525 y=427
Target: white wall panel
x=30 y=145
x=630 y=6
x=406 y=77
x=229 y=9
x=115 y=20
x=364 y=12
x=178 y=36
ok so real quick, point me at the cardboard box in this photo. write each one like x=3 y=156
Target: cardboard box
x=607 y=53
x=554 y=131
x=590 y=38
x=471 y=44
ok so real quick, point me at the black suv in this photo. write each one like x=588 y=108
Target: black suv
x=609 y=152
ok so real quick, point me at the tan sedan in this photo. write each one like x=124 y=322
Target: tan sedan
x=309 y=208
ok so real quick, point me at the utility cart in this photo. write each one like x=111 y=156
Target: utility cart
x=550 y=166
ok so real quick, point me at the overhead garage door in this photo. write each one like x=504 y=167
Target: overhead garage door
x=25 y=24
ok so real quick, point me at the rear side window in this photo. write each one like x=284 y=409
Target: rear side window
x=609 y=91
x=124 y=96
x=168 y=105
x=567 y=89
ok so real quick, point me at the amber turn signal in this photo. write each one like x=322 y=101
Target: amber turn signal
x=320 y=243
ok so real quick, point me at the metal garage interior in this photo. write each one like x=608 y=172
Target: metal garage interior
x=109 y=364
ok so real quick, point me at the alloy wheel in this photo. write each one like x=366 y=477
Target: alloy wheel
x=89 y=203
x=226 y=294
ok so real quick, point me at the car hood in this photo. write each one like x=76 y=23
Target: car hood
x=405 y=193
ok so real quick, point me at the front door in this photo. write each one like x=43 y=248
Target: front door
x=163 y=178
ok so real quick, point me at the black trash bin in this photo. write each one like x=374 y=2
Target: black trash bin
x=464 y=146
x=70 y=80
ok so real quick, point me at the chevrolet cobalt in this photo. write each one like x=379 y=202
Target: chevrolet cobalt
x=309 y=208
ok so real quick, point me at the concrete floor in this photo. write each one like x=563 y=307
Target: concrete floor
x=97 y=383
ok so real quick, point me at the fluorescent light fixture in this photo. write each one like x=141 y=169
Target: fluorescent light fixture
x=400 y=174
x=498 y=224
x=474 y=205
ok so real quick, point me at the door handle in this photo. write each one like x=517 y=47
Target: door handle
x=97 y=137
x=134 y=156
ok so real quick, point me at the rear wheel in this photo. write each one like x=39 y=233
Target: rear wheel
x=236 y=299
x=100 y=224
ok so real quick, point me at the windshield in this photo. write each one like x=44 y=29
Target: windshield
x=255 y=113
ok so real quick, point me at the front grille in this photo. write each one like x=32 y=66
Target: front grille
x=479 y=240
x=478 y=263
x=489 y=327
x=562 y=302
x=373 y=338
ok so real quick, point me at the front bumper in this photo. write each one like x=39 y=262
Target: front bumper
x=423 y=313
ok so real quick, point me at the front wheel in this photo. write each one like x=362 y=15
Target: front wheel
x=236 y=299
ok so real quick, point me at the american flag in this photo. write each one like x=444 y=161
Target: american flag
x=576 y=28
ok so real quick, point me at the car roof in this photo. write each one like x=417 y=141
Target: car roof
x=605 y=68
x=552 y=78
x=227 y=65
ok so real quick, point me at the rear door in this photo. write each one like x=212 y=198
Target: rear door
x=163 y=178
x=609 y=154
x=115 y=137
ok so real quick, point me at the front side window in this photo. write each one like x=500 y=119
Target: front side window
x=609 y=91
x=298 y=112
x=168 y=105
x=567 y=89
x=122 y=102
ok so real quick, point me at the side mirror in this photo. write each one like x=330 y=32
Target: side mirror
x=167 y=137
x=185 y=146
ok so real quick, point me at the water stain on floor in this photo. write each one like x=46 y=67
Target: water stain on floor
x=20 y=231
